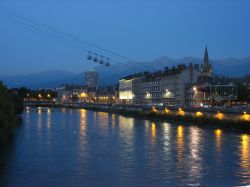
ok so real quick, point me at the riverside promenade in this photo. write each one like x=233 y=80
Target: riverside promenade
x=236 y=119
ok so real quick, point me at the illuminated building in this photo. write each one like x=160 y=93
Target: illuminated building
x=71 y=93
x=206 y=92
x=106 y=94
x=168 y=86
x=129 y=88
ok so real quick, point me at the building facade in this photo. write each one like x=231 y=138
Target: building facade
x=71 y=93
x=162 y=87
x=168 y=87
x=206 y=92
x=129 y=88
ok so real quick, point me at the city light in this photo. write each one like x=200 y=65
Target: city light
x=82 y=95
x=167 y=110
x=219 y=116
x=245 y=117
x=198 y=114
x=181 y=112
x=194 y=88
x=154 y=109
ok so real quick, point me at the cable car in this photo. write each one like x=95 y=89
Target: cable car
x=101 y=60
x=107 y=62
x=95 y=59
x=89 y=56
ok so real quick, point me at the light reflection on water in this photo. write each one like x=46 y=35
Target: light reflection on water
x=244 y=162
x=180 y=165
x=218 y=134
x=195 y=158
x=66 y=147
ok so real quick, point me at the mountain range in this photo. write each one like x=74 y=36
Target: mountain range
x=231 y=67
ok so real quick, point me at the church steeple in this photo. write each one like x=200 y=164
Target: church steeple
x=206 y=70
x=206 y=59
x=206 y=66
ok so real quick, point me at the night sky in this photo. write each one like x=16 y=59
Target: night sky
x=139 y=29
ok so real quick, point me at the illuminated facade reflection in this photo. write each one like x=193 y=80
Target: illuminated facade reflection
x=167 y=137
x=244 y=155
x=82 y=121
x=194 y=158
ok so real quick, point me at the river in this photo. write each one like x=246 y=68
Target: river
x=75 y=147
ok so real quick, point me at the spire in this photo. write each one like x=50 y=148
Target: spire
x=206 y=59
x=206 y=74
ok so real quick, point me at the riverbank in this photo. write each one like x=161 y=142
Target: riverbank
x=214 y=123
x=197 y=118
x=10 y=112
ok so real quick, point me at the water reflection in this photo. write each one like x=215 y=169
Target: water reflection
x=126 y=127
x=180 y=152
x=82 y=121
x=218 y=133
x=27 y=117
x=27 y=110
x=153 y=131
x=63 y=110
x=244 y=160
x=39 y=110
x=167 y=136
x=194 y=163
x=87 y=148
x=39 y=119
x=48 y=118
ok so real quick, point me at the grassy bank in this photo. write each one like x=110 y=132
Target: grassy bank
x=204 y=121
x=10 y=110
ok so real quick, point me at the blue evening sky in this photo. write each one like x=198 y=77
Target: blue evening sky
x=139 y=29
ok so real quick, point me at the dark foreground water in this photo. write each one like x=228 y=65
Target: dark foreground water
x=74 y=148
